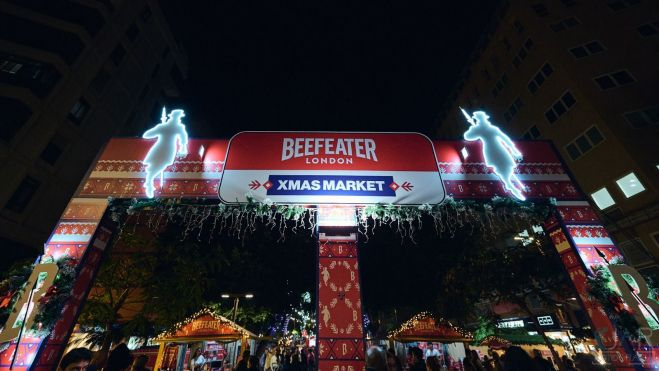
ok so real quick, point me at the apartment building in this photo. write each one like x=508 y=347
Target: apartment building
x=583 y=74
x=73 y=73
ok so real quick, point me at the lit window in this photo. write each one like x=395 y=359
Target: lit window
x=630 y=185
x=602 y=198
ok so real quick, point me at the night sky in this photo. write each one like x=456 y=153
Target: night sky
x=330 y=65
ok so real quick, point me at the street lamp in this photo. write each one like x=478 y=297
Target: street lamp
x=236 y=300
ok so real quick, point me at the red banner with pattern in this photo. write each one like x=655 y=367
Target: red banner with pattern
x=340 y=326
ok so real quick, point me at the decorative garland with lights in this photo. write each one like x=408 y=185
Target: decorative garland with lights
x=486 y=217
x=600 y=287
x=168 y=333
x=235 y=220
x=11 y=289
x=493 y=339
x=56 y=296
x=412 y=322
x=51 y=303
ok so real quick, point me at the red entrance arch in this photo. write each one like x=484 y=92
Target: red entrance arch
x=82 y=232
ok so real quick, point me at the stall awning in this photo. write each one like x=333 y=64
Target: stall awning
x=423 y=327
x=205 y=325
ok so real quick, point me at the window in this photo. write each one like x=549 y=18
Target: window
x=584 y=143
x=145 y=14
x=37 y=76
x=602 y=198
x=40 y=36
x=560 y=107
x=532 y=133
x=498 y=87
x=506 y=44
x=630 y=185
x=523 y=52
x=643 y=118
x=143 y=93
x=10 y=67
x=565 y=24
x=618 y=5
x=118 y=55
x=519 y=27
x=614 y=80
x=14 y=115
x=132 y=32
x=100 y=81
x=545 y=71
x=495 y=62
x=177 y=77
x=587 y=49
x=648 y=29
x=513 y=109
x=540 y=9
x=51 y=153
x=155 y=71
x=78 y=111
x=23 y=194
x=165 y=52
x=634 y=251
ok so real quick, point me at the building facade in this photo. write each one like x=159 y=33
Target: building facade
x=582 y=74
x=72 y=75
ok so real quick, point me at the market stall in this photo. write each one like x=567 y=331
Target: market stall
x=424 y=331
x=219 y=339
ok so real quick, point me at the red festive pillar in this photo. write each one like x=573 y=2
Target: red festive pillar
x=582 y=243
x=340 y=344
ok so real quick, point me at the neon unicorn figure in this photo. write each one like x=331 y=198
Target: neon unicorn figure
x=172 y=140
x=499 y=151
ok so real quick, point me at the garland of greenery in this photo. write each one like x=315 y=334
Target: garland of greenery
x=51 y=303
x=11 y=289
x=56 y=296
x=488 y=217
x=600 y=287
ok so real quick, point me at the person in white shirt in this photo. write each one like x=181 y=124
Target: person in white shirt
x=199 y=361
x=431 y=351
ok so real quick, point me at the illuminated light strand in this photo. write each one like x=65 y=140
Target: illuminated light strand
x=190 y=319
x=412 y=322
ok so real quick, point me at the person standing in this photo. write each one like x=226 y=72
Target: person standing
x=311 y=359
x=431 y=351
x=119 y=359
x=77 y=359
x=417 y=363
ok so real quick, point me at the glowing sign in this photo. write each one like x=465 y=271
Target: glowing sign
x=518 y=323
x=320 y=168
x=172 y=141
x=545 y=321
x=499 y=151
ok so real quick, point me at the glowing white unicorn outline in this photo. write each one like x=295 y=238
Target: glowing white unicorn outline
x=172 y=141
x=499 y=152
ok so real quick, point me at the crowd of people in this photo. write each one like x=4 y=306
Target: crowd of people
x=120 y=359
x=514 y=359
x=288 y=359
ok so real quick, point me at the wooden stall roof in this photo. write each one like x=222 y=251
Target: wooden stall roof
x=423 y=327
x=205 y=325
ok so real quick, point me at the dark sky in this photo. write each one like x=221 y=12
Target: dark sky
x=330 y=65
x=322 y=65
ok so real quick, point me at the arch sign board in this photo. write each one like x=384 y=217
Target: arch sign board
x=331 y=168
x=320 y=168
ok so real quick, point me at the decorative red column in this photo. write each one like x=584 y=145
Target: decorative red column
x=340 y=344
